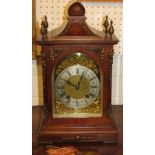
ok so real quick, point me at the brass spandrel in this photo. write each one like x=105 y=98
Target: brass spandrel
x=74 y=59
x=94 y=108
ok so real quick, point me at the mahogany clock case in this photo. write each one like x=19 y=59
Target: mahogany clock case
x=77 y=37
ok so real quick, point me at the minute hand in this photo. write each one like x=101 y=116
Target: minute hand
x=78 y=85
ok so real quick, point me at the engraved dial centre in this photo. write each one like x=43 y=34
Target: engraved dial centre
x=75 y=92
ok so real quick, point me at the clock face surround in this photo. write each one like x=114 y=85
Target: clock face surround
x=77 y=86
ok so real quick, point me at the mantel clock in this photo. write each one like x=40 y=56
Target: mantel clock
x=77 y=64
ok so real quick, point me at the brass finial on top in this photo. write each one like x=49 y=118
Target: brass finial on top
x=106 y=24
x=46 y=22
x=42 y=30
x=44 y=26
x=111 y=28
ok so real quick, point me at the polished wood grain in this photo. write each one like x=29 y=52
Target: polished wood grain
x=95 y=149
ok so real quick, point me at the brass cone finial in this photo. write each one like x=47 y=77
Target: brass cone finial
x=46 y=22
x=111 y=28
x=106 y=24
x=44 y=26
x=42 y=30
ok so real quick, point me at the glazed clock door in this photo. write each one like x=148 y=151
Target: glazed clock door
x=77 y=88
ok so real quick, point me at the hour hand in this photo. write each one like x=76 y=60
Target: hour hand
x=69 y=82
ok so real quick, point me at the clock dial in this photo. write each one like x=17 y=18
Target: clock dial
x=77 y=86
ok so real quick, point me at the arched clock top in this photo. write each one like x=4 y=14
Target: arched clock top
x=75 y=30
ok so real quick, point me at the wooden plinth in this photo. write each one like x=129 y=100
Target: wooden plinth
x=50 y=132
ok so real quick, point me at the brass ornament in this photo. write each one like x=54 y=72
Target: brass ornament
x=101 y=54
x=44 y=28
x=46 y=24
x=106 y=24
x=111 y=28
x=94 y=108
x=53 y=54
x=74 y=59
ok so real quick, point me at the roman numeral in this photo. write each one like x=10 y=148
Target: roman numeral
x=77 y=71
x=60 y=87
x=68 y=72
x=86 y=101
x=68 y=101
x=92 y=78
x=62 y=95
x=91 y=94
x=77 y=103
